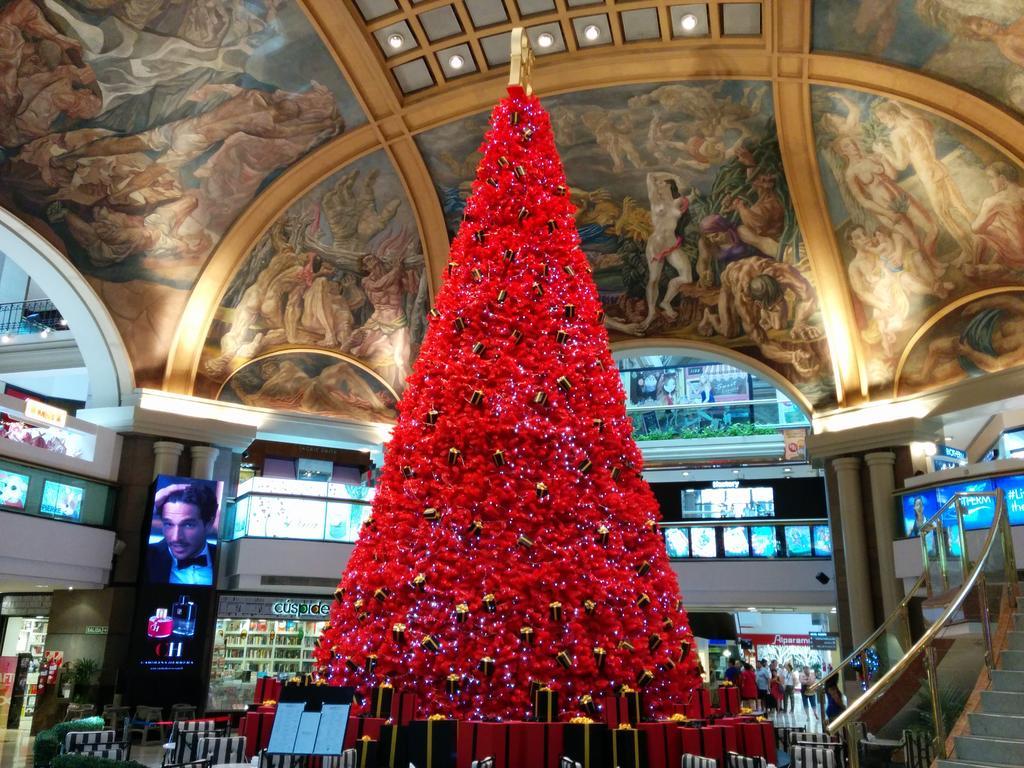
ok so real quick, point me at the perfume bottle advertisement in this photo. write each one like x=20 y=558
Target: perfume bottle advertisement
x=171 y=623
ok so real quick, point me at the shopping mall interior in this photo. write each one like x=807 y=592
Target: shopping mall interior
x=271 y=449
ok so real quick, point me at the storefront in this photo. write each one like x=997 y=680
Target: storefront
x=259 y=635
x=24 y=620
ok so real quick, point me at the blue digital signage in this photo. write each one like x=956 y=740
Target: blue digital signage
x=978 y=510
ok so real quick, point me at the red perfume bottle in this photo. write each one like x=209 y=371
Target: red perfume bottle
x=160 y=625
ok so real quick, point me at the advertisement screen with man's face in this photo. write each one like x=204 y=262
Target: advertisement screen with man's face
x=182 y=544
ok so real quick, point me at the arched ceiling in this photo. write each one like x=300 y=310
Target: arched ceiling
x=262 y=193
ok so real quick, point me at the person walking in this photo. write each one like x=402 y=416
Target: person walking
x=807 y=681
x=788 y=686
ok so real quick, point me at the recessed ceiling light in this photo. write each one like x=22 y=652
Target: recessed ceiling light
x=591 y=32
x=396 y=40
x=752 y=609
x=735 y=471
x=686 y=474
x=5 y=339
x=688 y=22
x=45 y=332
x=787 y=469
x=545 y=39
x=456 y=62
x=949 y=437
x=71 y=589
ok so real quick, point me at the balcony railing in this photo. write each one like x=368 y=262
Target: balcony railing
x=25 y=317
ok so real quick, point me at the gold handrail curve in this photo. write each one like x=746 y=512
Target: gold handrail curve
x=897 y=613
x=871 y=695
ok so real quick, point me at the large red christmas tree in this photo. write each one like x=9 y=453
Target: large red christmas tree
x=513 y=538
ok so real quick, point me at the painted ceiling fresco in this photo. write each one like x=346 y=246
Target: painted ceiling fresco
x=342 y=271
x=974 y=43
x=924 y=212
x=684 y=214
x=312 y=381
x=132 y=134
x=985 y=335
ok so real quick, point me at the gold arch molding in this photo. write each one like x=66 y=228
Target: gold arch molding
x=782 y=57
x=341 y=356
x=943 y=312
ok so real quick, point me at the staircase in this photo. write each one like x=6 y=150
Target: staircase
x=997 y=727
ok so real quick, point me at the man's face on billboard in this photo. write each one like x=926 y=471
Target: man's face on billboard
x=184 y=529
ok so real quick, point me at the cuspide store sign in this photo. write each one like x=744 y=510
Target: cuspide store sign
x=273 y=607
x=301 y=608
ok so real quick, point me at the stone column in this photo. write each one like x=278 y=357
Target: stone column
x=883 y=482
x=855 y=550
x=167 y=455
x=203 y=459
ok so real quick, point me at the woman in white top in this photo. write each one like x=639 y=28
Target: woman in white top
x=788 y=686
x=808 y=679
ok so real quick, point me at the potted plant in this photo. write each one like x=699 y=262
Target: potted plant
x=81 y=676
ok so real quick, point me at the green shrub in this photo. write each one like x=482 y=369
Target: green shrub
x=48 y=742
x=82 y=760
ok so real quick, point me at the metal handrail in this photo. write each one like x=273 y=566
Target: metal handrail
x=849 y=716
x=898 y=613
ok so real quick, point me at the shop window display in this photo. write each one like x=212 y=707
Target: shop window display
x=245 y=649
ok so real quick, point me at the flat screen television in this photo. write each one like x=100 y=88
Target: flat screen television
x=798 y=540
x=736 y=541
x=63 y=501
x=13 y=489
x=677 y=542
x=703 y=542
x=822 y=541
x=763 y=542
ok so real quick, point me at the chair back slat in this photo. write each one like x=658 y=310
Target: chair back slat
x=735 y=760
x=106 y=751
x=809 y=756
x=696 y=761
x=222 y=749
x=74 y=741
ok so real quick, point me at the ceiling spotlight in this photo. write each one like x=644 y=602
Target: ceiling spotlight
x=686 y=474
x=948 y=438
x=752 y=609
x=688 y=22
x=45 y=332
x=735 y=471
x=456 y=62
x=396 y=40
x=545 y=39
x=787 y=469
x=5 y=339
x=591 y=32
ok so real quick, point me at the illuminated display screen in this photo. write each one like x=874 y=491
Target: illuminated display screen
x=822 y=541
x=182 y=540
x=978 y=511
x=798 y=540
x=735 y=541
x=763 y=542
x=677 y=542
x=728 y=502
x=702 y=542
x=13 y=489
x=59 y=500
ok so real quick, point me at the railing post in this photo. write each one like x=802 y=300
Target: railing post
x=942 y=542
x=853 y=744
x=931 y=668
x=905 y=626
x=965 y=555
x=986 y=626
x=864 y=670
x=923 y=536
